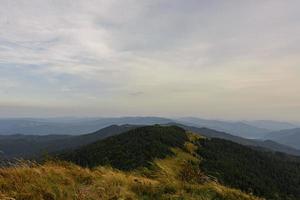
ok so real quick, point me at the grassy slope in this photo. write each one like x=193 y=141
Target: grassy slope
x=172 y=177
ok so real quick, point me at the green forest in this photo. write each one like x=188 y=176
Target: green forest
x=130 y=150
x=266 y=174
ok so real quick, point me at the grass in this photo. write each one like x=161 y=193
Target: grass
x=169 y=178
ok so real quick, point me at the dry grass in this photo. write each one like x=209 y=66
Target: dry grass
x=60 y=180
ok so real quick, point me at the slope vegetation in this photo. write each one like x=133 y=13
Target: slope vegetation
x=135 y=148
x=168 y=168
x=266 y=145
x=12 y=146
x=271 y=175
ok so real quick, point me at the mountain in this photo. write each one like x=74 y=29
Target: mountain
x=266 y=174
x=78 y=126
x=135 y=148
x=159 y=162
x=28 y=146
x=69 y=126
x=13 y=146
x=270 y=175
x=236 y=128
x=272 y=125
x=290 y=137
x=265 y=145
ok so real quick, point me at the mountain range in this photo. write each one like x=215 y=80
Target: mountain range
x=267 y=145
x=25 y=131
x=69 y=126
x=289 y=137
x=76 y=126
x=12 y=146
x=240 y=129
x=272 y=125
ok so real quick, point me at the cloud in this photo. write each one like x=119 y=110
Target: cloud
x=152 y=57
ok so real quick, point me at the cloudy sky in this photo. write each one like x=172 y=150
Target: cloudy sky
x=208 y=58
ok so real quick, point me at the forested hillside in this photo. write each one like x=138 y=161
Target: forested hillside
x=12 y=146
x=135 y=148
x=271 y=175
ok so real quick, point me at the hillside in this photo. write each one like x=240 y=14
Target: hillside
x=135 y=148
x=173 y=174
x=271 y=175
x=14 y=145
x=266 y=145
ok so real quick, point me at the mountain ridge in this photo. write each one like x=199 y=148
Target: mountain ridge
x=238 y=128
x=14 y=145
x=290 y=137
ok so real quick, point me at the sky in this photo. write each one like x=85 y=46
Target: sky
x=206 y=58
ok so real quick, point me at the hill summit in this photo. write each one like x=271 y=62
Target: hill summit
x=130 y=150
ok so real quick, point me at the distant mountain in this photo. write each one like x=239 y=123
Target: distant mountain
x=78 y=126
x=70 y=126
x=265 y=145
x=27 y=146
x=272 y=125
x=236 y=128
x=290 y=137
x=15 y=145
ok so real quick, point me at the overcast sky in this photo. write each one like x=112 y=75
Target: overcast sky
x=208 y=58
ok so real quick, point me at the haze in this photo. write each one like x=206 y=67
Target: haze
x=217 y=59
